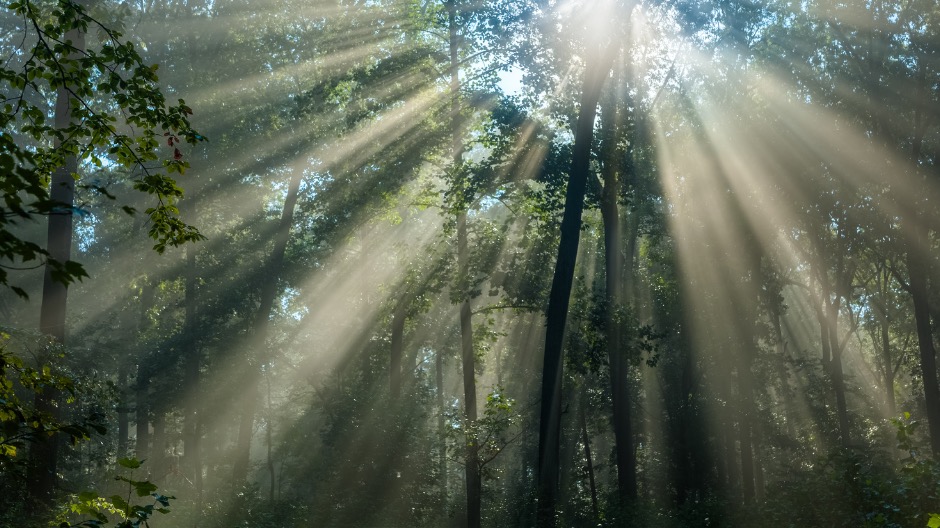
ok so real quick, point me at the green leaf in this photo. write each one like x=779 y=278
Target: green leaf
x=934 y=521
x=130 y=463
x=144 y=488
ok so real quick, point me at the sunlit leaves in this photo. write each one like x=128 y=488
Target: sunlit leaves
x=117 y=114
x=124 y=510
x=490 y=434
x=934 y=521
x=22 y=423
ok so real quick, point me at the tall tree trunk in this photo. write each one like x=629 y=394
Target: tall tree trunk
x=828 y=316
x=884 y=278
x=838 y=377
x=157 y=462
x=142 y=380
x=468 y=357
x=589 y=461
x=397 y=349
x=269 y=434
x=142 y=413
x=191 y=434
x=917 y=240
x=917 y=268
x=780 y=349
x=258 y=357
x=727 y=456
x=441 y=422
x=745 y=440
x=44 y=455
x=598 y=67
x=123 y=419
x=613 y=259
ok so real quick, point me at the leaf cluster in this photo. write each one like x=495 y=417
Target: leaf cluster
x=91 y=503
x=118 y=119
x=21 y=422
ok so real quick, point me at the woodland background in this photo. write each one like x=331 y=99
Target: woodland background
x=364 y=214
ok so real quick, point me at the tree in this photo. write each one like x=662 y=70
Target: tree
x=57 y=60
x=599 y=60
x=41 y=177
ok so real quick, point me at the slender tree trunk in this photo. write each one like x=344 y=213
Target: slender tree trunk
x=142 y=444
x=727 y=454
x=745 y=441
x=258 y=347
x=44 y=455
x=918 y=244
x=759 y=484
x=474 y=480
x=824 y=338
x=598 y=67
x=468 y=357
x=586 y=440
x=441 y=423
x=142 y=381
x=397 y=350
x=123 y=420
x=828 y=315
x=887 y=360
x=269 y=433
x=889 y=370
x=157 y=462
x=917 y=268
x=838 y=377
x=613 y=258
x=689 y=448
x=780 y=348
x=192 y=364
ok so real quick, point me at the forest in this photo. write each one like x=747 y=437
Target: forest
x=455 y=263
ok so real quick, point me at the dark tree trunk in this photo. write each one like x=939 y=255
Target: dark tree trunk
x=828 y=315
x=780 y=347
x=589 y=461
x=883 y=278
x=257 y=351
x=689 y=446
x=269 y=434
x=157 y=462
x=142 y=405
x=727 y=454
x=918 y=246
x=142 y=381
x=838 y=377
x=889 y=375
x=745 y=399
x=613 y=255
x=44 y=455
x=474 y=480
x=917 y=268
x=598 y=67
x=397 y=350
x=441 y=422
x=192 y=466
x=123 y=420
x=468 y=358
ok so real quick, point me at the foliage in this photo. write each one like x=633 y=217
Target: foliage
x=127 y=514
x=20 y=422
x=119 y=119
x=851 y=488
x=805 y=115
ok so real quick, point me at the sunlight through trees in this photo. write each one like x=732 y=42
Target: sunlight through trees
x=486 y=264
